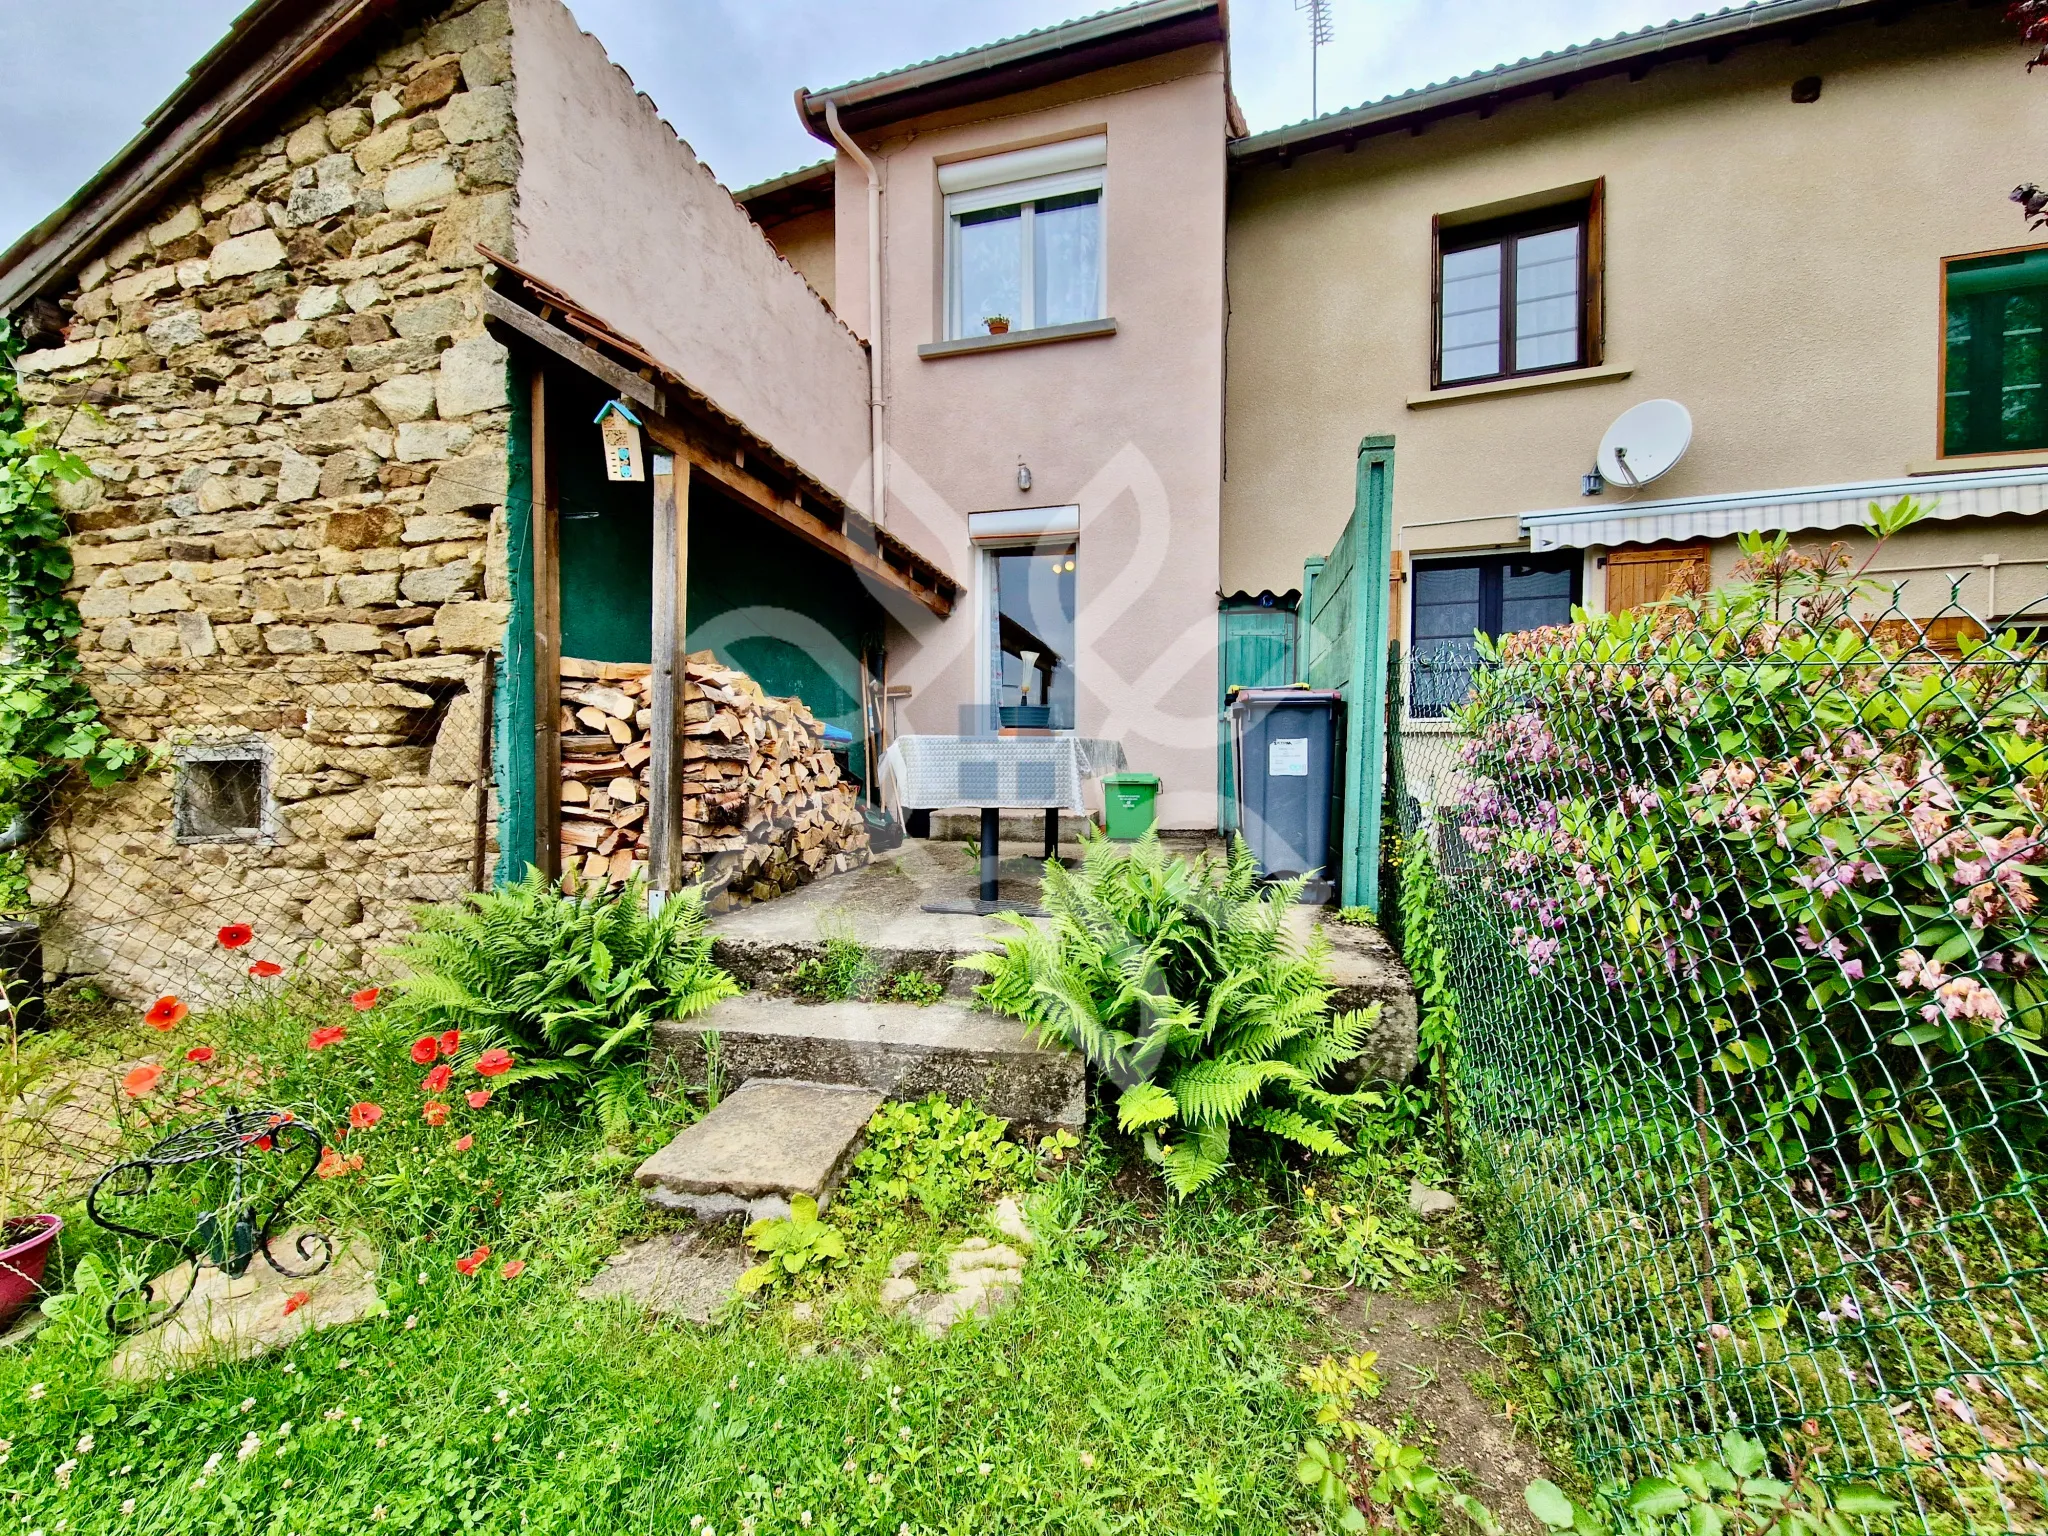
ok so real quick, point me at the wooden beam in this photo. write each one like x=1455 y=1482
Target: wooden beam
x=547 y=643
x=792 y=516
x=787 y=510
x=570 y=350
x=669 y=654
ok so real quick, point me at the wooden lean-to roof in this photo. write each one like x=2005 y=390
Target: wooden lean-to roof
x=686 y=422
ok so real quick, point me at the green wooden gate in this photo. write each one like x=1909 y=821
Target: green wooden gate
x=1256 y=650
x=1344 y=628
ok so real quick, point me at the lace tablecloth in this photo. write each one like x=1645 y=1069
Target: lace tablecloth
x=929 y=773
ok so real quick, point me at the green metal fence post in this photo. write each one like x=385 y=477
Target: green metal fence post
x=1365 y=736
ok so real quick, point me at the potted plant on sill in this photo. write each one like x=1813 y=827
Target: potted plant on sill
x=998 y=325
x=30 y=1096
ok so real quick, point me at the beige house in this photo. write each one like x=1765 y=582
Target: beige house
x=1790 y=218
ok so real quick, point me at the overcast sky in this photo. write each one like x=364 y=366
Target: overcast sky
x=82 y=76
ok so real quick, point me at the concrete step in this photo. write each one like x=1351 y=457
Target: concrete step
x=895 y=1049
x=767 y=1141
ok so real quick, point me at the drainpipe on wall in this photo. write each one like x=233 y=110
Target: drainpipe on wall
x=878 y=440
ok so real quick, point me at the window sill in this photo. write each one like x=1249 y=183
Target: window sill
x=1033 y=338
x=1963 y=463
x=1569 y=379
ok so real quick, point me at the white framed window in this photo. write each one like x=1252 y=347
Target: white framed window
x=1024 y=238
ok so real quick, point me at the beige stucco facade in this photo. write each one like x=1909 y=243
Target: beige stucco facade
x=1126 y=427
x=1775 y=266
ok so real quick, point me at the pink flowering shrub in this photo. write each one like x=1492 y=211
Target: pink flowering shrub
x=1782 y=853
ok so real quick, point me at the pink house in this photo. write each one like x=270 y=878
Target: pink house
x=1047 y=366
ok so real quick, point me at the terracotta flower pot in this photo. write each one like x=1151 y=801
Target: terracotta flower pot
x=29 y=1241
x=998 y=327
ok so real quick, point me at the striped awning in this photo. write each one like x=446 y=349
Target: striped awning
x=1978 y=493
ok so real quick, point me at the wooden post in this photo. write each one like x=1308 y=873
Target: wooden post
x=669 y=654
x=547 y=643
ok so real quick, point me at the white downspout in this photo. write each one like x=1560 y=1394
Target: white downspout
x=878 y=438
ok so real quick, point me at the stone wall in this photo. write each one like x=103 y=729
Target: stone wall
x=293 y=537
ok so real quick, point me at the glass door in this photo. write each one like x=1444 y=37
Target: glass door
x=1032 y=640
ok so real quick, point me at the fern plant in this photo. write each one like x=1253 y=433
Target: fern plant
x=1182 y=984
x=570 y=985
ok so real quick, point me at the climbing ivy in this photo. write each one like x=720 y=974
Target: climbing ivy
x=50 y=724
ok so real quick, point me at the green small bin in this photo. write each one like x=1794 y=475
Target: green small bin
x=1130 y=803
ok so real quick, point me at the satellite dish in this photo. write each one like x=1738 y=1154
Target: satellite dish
x=1645 y=441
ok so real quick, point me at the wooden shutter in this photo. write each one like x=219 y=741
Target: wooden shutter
x=1636 y=577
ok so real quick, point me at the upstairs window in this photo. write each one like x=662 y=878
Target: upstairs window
x=1991 y=392
x=1024 y=239
x=1490 y=595
x=1516 y=295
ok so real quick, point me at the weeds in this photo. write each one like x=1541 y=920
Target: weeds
x=843 y=972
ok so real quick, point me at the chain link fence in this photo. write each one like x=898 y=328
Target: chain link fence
x=319 y=801
x=1741 y=904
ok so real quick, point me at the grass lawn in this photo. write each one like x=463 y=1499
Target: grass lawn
x=1144 y=1380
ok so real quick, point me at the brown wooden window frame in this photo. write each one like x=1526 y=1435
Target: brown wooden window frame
x=1584 y=211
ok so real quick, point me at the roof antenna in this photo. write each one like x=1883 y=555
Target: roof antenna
x=1320 y=32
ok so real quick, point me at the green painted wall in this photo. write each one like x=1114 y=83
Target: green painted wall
x=606 y=533
x=789 y=616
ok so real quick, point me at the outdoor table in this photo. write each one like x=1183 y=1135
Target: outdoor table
x=992 y=774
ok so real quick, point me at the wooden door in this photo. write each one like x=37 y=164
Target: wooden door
x=1638 y=577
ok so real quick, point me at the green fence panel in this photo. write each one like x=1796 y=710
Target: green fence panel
x=1344 y=636
x=1256 y=647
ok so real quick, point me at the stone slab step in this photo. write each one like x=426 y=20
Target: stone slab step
x=768 y=1140
x=1364 y=969
x=896 y=1049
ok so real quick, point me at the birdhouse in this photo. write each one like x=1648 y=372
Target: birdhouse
x=620 y=429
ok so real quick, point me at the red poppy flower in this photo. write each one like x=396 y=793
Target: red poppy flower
x=355 y=1164
x=475 y=1260
x=425 y=1050
x=363 y=1114
x=366 y=999
x=513 y=1269
x=331 y=1164
x=465 y=1144
x=436 y=1081
x=494 y=1063
x=264 y=1143
x=266 y=969
x=434 y=1112
x=450 y=1040
x=201 y=1054
x=297 y=1300
x=479 y=1097
x=235 y=935
x=165 y=1013
x=141 y=1081
x=324 y=1036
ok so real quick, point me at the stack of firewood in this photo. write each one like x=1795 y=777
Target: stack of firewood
x=762 y=807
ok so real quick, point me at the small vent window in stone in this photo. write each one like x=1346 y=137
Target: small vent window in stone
x=220 y=796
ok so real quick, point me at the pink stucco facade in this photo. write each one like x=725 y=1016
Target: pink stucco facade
x=1126 y=427
x=621 y=215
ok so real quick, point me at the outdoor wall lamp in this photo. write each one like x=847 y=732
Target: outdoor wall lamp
x=1023 y=476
